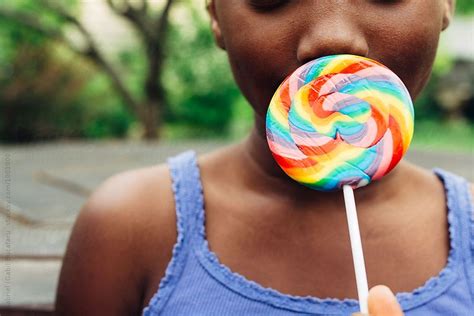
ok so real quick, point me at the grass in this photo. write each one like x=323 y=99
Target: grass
x=457 y=136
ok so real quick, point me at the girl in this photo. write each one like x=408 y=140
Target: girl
x=229 y=234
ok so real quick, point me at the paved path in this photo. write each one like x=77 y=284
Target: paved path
x=43 y=187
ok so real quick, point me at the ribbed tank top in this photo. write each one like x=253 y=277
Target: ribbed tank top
x=196 y=283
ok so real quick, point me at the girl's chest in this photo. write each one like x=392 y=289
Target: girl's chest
x=311 y=257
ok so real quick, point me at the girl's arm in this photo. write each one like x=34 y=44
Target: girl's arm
x=123 y=235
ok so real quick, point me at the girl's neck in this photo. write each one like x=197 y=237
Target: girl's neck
x=262 y=173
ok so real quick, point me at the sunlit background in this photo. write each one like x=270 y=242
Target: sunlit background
x=94 y=87
x=57 y=82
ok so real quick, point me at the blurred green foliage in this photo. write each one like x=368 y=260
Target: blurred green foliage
x=199 y=87
x=426 y=105
x=46 y=95
x=47 y=92
x=465 y=6
x=201 y=90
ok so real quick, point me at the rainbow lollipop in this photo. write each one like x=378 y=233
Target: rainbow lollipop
x=340 y=120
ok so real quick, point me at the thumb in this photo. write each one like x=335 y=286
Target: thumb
x=382 y=302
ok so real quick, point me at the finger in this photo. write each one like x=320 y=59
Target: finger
x=382 y=302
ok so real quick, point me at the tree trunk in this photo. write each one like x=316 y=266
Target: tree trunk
x=151 y=119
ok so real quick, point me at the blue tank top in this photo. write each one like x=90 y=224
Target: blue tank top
x=196 y=283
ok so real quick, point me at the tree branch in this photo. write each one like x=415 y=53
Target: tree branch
x=92 y=51
x=34 y=25
x=136 y=16
x=67 y=17
x=163 y=20
x=144 y=6
x=113 y=5
x=155 y=46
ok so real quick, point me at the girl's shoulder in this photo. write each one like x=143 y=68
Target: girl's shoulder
x=121 y=242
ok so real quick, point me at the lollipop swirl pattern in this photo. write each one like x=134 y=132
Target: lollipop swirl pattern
x=340 y=120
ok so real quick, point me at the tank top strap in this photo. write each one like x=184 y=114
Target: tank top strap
x=187 y=189
x=461 y=206
x=188 y=198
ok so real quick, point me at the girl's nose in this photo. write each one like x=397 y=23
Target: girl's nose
x=331 y=35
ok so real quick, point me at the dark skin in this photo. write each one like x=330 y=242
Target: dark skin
x=260 y=223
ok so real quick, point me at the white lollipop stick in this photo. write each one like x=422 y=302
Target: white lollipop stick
x=356 y=245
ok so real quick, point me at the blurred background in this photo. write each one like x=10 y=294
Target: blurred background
x=89 y=88
x=87 y=70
